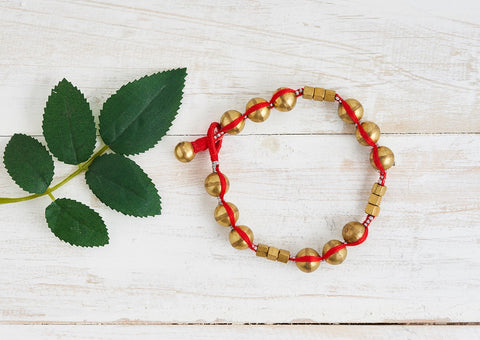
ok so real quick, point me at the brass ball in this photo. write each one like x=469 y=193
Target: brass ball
x=307 y=267
x=221 y=215
x=353 y=231
x=237 y=241
x=286 y=101
x=259 y=115
x=184 y=152
x=355 y=106
x=213 y=185
x=229 y=117
x=335 y=258
x=372 y=130
x=387 y=159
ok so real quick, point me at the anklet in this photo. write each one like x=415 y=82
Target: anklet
x=258 y=110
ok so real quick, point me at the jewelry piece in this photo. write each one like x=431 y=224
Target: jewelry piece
x=258 y=110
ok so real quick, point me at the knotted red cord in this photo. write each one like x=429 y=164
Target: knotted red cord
x=213 y=142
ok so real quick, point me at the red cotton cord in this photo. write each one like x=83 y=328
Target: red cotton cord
x=213 y=142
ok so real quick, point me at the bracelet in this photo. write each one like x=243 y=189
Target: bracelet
x=258 y=110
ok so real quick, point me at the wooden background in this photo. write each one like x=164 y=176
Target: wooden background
x=297 y=178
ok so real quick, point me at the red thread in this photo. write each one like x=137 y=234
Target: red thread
x=213 y=142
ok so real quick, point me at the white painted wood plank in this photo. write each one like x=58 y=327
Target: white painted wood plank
x=420 y=264
x=414 y=65
x=238 y=332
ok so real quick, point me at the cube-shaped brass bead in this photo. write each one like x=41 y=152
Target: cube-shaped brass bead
x=318 y=94
x=374 y=199
x=379 y=189
x=329 y=96
x=308 y=92
x=262 y=250
x=373 y=210
x=283 y=256
x=272 y=253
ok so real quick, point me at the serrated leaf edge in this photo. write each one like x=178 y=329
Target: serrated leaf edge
x=171 y=122
x=46 y=149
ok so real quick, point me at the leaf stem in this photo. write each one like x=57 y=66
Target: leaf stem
x=81 y=167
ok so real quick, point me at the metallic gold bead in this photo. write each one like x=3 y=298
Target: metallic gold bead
x=272 y=253
x=229 y=117
x=259 y=115
x=308 y=92
x=319 y=94
x=286 y=101
x=372 y=130
x=329 y=95
x=335 y=258
x=307 y=267
x=374 y=199
x=221 y=215
x=213 y=185
x=353 y=231
x=283 y=256
x=371 y=209
x=237 y=241
x=184 y=152
x=379 y=189
x=355 y=106
x=387 y=159
x=262 y=250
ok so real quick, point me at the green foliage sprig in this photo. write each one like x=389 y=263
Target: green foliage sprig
x=132 y=121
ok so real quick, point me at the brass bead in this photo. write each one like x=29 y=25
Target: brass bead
x=237 y=241
x=329 y=96
x=335 y=258
x=184 y=152
x=272 y=253
x=372 y=130
x=379 y=189
x=259 y=115
x=229 y=117
x=262 y=250
x=387 y=159
x=353 y=231
x=374 y=199
x=355 y=106
x=213 y=185
x=318 y=94
x=371 y=209
x=307 y=267
x=308 y=92
x=221 y=215
x=283 y=256
x=286 y=101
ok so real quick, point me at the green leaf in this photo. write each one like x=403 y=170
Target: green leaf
x=140 y=113
x=29 y=163
x=122 y=185
x=75 y=223
x=68 y=124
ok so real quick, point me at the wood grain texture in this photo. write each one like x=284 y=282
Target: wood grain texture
x=296 y=178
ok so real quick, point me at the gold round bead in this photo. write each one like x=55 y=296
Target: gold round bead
x=237 y=241
x=353 y=231
x=184 y=152
x=355 y=106
x=307 y=267
x=387 y=159
x=286 y=101
x=259 y=115
x=213 y=185
x=229 y=117
x=335 y=258
x=221 y=215
x=372 y=130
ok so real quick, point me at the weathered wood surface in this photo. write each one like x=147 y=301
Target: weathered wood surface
x=296 y=178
